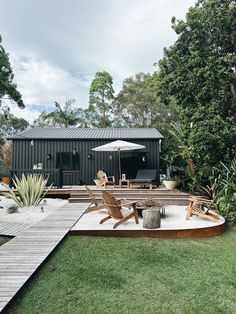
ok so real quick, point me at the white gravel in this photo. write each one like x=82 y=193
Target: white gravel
x=29 y=215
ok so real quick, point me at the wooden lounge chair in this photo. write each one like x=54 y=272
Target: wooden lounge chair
x=94 y=206
x=103 y=179
x=145 y=177
x=115 y=206
x=200 y=207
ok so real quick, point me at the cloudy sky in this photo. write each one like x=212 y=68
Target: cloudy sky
x=57 y=46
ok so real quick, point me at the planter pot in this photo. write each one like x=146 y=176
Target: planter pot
x=170 y=185
x=6 y=180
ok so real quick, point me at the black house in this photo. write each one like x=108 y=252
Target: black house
x=66 y=155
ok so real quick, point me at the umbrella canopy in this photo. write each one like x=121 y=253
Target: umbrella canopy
x=118 y=146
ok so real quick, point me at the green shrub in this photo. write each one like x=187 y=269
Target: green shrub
x=30 y=190
x=224 y=190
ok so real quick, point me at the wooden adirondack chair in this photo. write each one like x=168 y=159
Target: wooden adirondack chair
x=94 y=206
x=103 y=179
x=114 y=207
x=200 y=207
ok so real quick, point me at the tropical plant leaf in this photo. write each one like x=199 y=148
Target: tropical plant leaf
x=30 y=190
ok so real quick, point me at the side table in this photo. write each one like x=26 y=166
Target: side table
x=151 y=218
x=123 y=181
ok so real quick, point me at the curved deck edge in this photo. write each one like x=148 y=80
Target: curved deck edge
x=165 y=234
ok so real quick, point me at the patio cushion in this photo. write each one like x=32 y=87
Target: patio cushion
x=142 y=180
x=145 y=176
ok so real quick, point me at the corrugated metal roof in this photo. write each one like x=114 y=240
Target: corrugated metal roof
x=88 y=133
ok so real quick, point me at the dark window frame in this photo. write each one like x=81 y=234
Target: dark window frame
x=68 y=161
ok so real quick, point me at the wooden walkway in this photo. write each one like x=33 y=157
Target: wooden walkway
x=21 y=256
x=12 y=229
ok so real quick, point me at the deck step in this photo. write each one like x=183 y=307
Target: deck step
x=131 y=191
x=165 y=201
x=161 y=195
x=130 y=196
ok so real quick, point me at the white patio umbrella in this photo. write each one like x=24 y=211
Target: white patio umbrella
x=118 y=146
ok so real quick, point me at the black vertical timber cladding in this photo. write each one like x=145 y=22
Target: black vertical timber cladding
x=26 y=155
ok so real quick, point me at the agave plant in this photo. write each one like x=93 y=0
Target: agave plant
x=30 y=190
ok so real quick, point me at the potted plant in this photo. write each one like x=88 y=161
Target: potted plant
x=4 y=172
x=171 y=181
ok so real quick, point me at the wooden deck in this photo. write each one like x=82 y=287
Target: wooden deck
x=78 y=194
x=21 y=256
x=12 y=229
x=161 y=195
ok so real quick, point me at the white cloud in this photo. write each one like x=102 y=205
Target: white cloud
x=42 y=83
x=28 y=113
x=56 y=47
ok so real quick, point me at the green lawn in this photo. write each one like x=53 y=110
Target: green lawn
x=121 y=275
x=4 y=240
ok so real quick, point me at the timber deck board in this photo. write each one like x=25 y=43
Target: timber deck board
x=12 y=228
x=23 y=255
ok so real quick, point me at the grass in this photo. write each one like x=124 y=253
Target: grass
x=4 y=240
x=122 y=275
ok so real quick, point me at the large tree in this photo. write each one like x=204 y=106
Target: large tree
x=199 y=71
x=101 y=94
x=7 y=87
x=138 y=105
x=8 y=90
x=10 y=124
x=63 y=116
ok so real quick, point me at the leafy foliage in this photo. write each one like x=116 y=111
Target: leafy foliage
x=224 y=190
x=183 y=150
x=101 y=94
x=199 y=71
x=7 y=87
x=138 y=105
x=63 y=116
x=10 y=124
x=181 y=155
x=30 y=190
x=135 y=103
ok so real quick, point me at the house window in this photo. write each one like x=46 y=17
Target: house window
x=68 y=161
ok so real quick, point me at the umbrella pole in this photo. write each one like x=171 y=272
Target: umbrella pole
x=119 y=165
